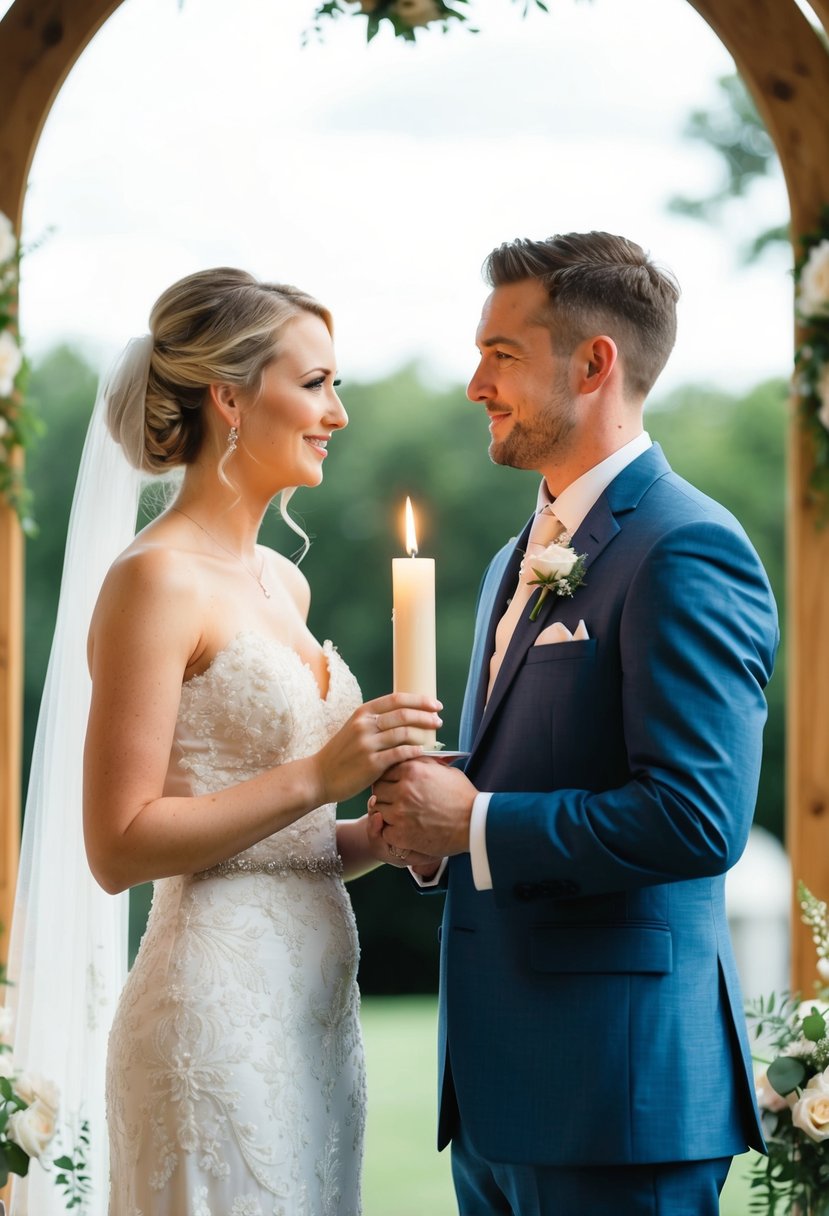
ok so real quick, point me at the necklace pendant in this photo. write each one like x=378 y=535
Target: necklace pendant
x=265 y=592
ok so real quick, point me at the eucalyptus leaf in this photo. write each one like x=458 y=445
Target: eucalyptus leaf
x=786 y=1074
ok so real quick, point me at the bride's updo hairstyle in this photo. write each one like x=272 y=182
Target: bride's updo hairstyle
x=217 y=326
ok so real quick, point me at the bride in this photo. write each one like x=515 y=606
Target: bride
x=220 y=737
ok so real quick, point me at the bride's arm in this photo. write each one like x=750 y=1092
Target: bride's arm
x=145 y=634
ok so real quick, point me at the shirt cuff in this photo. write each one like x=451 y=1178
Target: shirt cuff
x=434 y=880
x=481 y=873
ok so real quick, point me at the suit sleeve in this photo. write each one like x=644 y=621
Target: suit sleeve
x=697 y=636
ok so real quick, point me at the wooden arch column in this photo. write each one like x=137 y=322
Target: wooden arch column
x=786 y=66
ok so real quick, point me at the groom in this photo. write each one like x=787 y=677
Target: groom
x=593 y=1055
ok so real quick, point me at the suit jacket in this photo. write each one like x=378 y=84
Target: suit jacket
x=590 y=1009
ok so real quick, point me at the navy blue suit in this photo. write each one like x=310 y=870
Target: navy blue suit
x=590 y=1009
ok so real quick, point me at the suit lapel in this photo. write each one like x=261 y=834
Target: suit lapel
x=498 y=587
x=595 y=533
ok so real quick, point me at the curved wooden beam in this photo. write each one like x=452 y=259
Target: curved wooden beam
x=786 y=67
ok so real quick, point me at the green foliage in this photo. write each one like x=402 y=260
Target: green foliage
x=735 y=132
x=73 y=1178
x=409 y=436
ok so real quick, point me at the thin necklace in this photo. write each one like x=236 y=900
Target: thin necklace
x=240 y=560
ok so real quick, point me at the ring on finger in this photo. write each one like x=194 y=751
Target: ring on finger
x=400 y=854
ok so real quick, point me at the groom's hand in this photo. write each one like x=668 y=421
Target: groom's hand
x=425 y=806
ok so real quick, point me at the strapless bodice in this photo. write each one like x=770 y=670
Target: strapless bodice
x=256 y=706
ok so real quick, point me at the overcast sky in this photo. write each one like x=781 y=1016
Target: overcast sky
x=377 y=177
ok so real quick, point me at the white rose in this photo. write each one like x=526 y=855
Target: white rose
x=11 y=358
x=556 y=561
x=767 y=1096
x=813 y=295
x=811 y=1110
x=416 y=12
x=32 y=1088
x=8 y=241
x=823 y=963
x=32 y=1128
x=806 y=1007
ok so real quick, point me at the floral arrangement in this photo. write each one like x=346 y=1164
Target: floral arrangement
x=404 y=16
x=812 y=356
x=18 y=425
x=793 y=1093
x=558 y=568
x=29 y=1107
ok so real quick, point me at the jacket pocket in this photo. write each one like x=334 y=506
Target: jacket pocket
x=609 y=949
x=585 y=648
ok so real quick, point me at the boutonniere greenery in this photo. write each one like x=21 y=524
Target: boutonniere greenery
x=558 y=568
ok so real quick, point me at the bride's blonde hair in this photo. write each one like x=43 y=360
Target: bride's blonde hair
x=215 y=326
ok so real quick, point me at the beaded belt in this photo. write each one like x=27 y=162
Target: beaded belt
x=329 y=864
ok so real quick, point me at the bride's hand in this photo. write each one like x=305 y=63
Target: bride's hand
x=422 y=863
x=376 y=736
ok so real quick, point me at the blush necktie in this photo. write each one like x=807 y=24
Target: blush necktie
x=546 y=528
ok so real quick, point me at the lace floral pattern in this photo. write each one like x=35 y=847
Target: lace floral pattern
x=235 y=1076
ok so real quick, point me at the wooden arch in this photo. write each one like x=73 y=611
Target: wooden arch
x=785 y=64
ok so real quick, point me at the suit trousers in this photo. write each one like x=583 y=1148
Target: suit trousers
x=684 y=1188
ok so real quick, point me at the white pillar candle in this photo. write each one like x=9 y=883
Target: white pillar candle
x=413 y=616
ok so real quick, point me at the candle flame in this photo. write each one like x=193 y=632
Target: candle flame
x=411 y=535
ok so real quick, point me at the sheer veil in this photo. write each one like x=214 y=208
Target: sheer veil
x=68 y=953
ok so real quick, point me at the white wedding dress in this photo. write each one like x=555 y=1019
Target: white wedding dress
x=235 y=1080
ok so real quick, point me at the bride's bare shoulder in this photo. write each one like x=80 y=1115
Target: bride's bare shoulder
x=291 y=578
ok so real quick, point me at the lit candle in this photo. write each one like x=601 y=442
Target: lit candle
x=413 y=591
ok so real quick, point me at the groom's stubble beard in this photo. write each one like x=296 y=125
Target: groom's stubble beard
x=532 y=444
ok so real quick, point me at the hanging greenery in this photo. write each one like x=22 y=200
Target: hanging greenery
x=812 y=355
x=404 y=16
x=18 y=423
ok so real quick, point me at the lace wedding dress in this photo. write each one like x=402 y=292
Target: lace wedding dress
x=235 y=1083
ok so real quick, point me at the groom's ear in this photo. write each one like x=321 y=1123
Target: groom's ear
x=594 y=359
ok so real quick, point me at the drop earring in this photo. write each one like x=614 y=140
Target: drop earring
x=232 y=437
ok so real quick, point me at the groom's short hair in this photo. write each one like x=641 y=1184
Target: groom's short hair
x=598 y=283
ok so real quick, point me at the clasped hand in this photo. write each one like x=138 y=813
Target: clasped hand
x=423 y=806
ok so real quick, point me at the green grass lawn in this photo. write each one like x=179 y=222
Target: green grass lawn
x=404 y=1173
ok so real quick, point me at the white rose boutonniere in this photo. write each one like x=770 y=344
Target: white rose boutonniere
x=558 y=568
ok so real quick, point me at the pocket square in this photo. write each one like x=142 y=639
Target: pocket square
x=560 y=633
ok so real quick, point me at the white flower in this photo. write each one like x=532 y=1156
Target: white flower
x=813 y=293
x=6 y=1014
x=32 y=1088
x=823 y=963
x=8 y=241
x=416 y=12
x=767 y=1096
x=11 y=359
x=32 y=1128
x=805 y=1008
x=823 y=415
x=811 y=1110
